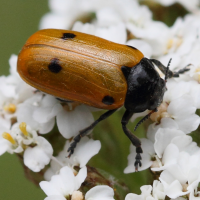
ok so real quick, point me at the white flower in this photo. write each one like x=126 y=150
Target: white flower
x=183 y=113
x=71 y=122
x=143 y=46
x=85 y=149
x=149 y=193
x=13 y=91
x=169 y=158
x=25 y=113
x=194 y=195
x=108 y=33
x=179 y=104
x=147 y=155
x=37 y=150
x=40 y=112
x=168 y=144
x=66 y=12
x=108 y=12
x=152 y=34
x=108 y=16
x=35 y=158
x=66 y=183
x=100 y=192
x=181 y=173
x=163 y=138
x=176 y=41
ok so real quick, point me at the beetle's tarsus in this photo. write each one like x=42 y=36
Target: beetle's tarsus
x=136 y=164
x=138 y=158
x=73 y=144
x=182 y=71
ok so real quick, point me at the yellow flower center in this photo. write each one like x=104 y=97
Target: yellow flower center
x=11 y=108
x=22 y=127
x=8 y=137
x=161 y=113
x=174 y=42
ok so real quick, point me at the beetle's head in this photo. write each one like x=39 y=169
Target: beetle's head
x=145 y=87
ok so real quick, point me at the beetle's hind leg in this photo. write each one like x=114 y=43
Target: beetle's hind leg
x=85 y=131
x=135 y=141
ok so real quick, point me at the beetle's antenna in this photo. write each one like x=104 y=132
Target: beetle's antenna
x=144 y=118
x=167 y=70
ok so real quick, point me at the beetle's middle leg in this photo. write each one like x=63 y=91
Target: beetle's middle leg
x=84 y=132
x=135 y=141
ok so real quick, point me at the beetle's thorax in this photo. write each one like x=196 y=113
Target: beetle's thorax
x=145 y=87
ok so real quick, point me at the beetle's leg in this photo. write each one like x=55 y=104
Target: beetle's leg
x=182 y=71
x=86 y=130
x=170 y=73
x=64 y=100
x=162 y=68
x=135 y=141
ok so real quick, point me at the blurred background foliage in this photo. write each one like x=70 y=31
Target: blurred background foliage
x=18 y=20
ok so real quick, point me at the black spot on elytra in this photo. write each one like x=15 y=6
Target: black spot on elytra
x=54 y=66
x=108 y=100
x=68 y=36
x=131 y=47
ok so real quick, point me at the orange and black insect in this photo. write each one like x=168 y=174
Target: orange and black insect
x=84 y=68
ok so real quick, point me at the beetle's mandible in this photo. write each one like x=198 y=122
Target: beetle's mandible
x=79 y=67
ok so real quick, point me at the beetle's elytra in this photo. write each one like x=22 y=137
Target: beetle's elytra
x=91 y=70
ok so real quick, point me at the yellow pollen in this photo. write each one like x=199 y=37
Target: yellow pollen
x=169 y=43
x=179 y=42
x=11 y=108
x=22 y=127
x=8 y=137
x=198 y=69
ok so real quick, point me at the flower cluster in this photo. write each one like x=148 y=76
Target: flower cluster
x=27 y=115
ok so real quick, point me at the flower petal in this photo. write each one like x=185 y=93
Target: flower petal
x=100 y=192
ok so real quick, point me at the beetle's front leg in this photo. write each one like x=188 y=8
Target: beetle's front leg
x=181 y=71
x=85 y=131
x=171 y=74
x=135 y=141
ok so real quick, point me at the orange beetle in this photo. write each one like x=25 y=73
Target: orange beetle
x=80 y=67
x=76 y=66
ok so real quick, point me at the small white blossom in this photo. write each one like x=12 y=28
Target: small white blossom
x=25 y=113
x=13 y=91
x=168 y=144
x=149 y=193
x=108 y=33
x=36 y=158
x=100 y=192
x=179 y=105
x=40 y=112
x=71 y=122
x=37 y=150
x=85 y=149
x=66 y=184
x=143 y=46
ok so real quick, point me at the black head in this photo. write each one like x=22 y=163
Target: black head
x=145 y=87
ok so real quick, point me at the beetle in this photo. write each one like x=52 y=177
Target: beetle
x=80 y=67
